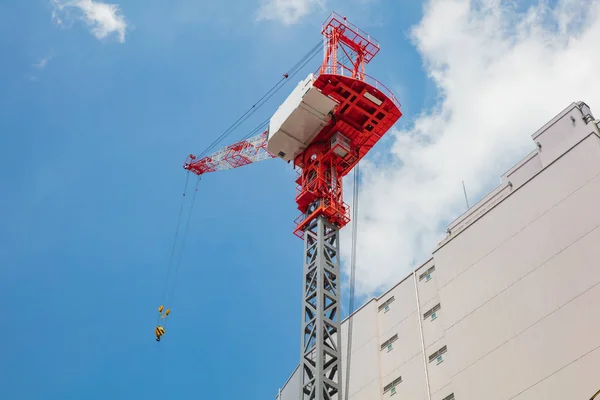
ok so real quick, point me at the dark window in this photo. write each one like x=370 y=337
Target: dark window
x=427 y=274
x=429 y=313
x=438 y=354
x=392 y=385
x=386 y=304
x=388 y=343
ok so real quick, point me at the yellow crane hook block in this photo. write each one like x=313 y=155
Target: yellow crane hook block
x=159 y=331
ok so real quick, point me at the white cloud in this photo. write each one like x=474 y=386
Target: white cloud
x=102 y=18
x=43 y=62
x=500 y=76
x=39 y=66
x=287 y=12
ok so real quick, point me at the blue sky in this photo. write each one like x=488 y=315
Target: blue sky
x=94 y=139
x=98 y=118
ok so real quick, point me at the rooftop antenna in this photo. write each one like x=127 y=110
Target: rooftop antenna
x=466 y=198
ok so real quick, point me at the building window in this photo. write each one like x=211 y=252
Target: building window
x=438 y=355
x=449 y=397
x=388 y=343
x=391 y=387
x=386 y=305
x=427 y=274
x=433 y=312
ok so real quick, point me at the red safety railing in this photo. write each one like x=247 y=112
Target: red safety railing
x=344 y=71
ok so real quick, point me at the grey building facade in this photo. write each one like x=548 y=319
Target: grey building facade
x=508 y=306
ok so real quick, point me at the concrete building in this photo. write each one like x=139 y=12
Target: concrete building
x=508 y=307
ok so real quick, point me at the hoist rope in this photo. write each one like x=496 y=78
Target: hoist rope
x=258 y=128
x=296 y=68
x=169 y=264
x=264 y=123
x=184 y=239
x=270 y=93
x=352 y=277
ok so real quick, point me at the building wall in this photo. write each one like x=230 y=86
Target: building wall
x=515 y=287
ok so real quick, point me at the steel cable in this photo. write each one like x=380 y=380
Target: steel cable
x=352 y=277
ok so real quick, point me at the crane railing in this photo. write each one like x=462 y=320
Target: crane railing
x=353 y=34
x=342 y=70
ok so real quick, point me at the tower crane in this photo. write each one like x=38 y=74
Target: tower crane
x=327 y=124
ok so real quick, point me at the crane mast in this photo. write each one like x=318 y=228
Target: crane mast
x=364 y=111
x=326 y=125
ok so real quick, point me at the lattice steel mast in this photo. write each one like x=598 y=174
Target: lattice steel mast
x=321 y=341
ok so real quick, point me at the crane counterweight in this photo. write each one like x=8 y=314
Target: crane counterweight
x=301 y=117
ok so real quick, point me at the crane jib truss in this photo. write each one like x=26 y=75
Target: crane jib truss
x=365 y=110
x=242 y=153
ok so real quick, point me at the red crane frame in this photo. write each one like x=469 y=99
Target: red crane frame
x=366 y=110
